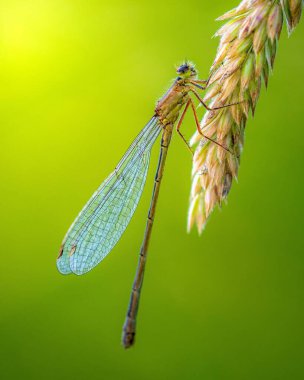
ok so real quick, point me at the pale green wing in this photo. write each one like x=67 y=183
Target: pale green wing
x=105 y=217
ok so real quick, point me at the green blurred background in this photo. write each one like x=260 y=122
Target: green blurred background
x=79 y=79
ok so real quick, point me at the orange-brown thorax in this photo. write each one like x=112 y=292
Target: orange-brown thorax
x=169 y=106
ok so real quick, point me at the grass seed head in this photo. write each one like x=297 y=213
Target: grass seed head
x=245 y=58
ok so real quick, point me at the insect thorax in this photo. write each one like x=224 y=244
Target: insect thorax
x=169 y=106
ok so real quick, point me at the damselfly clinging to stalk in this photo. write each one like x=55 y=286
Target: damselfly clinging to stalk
x=104 y=218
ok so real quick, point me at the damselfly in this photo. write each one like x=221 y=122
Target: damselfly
x=105 y=217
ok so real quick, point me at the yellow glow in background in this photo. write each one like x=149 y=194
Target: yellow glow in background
x=78 y=80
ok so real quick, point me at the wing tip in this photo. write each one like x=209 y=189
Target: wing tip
x=60 y=262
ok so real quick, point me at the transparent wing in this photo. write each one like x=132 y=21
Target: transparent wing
x=104 y=218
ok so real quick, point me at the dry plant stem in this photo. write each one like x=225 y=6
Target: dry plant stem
x=245 y=58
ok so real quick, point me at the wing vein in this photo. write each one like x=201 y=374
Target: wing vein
x=106 y=215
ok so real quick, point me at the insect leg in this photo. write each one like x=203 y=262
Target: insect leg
x=198 y=127
x=179 y=124
x=205 y=82
x=202 y=81
x=214 y=108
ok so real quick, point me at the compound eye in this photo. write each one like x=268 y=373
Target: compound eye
x=182 y=69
